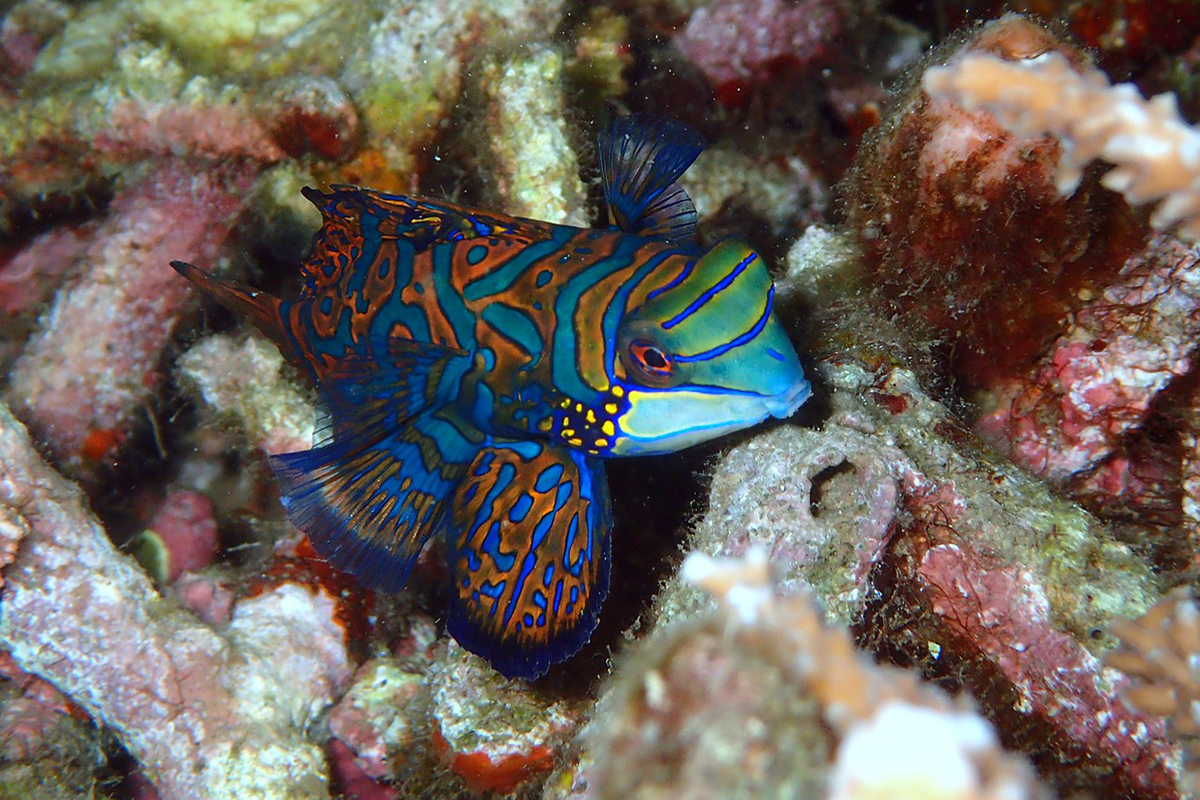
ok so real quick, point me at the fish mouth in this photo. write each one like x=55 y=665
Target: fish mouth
x=784 y=404
x=685 y=418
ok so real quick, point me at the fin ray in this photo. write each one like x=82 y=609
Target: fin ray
x=260 y=308
x=353 y=218
x=368 y=505
x=389 y=382
x=375 y=486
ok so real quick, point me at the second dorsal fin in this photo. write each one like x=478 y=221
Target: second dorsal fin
x=641 y=157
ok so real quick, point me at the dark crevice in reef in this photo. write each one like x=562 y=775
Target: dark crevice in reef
x=654 y=500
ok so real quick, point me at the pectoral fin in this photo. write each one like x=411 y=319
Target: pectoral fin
x=377 y=484
x=529 y=555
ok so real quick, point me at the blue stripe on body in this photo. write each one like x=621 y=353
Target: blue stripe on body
x=678 y=279
x=369 y=224
x=395 y=310
x=516 y=326
x=484 y=405
x=709 y=293
x=503 y=277
x=564 y=370
x=449 y=300
x=616 y=305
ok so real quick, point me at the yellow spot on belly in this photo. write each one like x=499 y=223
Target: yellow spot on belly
x=591 y=415
x=576 y=442
x=545 y=424
x=610 y=408
x=608 y=427
x=618 y=391
x=602 y=443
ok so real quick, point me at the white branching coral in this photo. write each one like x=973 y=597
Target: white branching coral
x=1161 y=652
x=1154 y=153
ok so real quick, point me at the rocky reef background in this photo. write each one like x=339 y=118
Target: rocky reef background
x=963 y=570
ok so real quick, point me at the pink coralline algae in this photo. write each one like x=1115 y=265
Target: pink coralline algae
x=33 y=273
x=210 y=598
x=738 y=44
x=1097 y=382
x=94 y=361
x=354 y=782
x=377 y=718
x=1004 y=448
x=184 y=531
x=207 y=713
x=963 y=227
x=29 y=719
x=952 y=561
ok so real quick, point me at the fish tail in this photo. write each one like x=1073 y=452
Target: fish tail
x=260 y=308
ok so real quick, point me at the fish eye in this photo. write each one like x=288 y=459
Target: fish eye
x=650 y=362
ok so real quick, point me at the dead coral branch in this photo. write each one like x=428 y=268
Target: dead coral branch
x=208 y=714
x=1156 y=155
x=1161 y=653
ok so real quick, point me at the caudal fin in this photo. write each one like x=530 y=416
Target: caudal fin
x=258 y=307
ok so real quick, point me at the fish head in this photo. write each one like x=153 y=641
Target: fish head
x=703 y=355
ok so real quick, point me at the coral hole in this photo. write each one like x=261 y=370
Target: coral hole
x=830 y=484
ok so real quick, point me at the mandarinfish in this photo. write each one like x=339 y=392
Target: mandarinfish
x=475 y=369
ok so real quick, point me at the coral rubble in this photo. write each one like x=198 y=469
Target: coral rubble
x=763 y=699
x=942 y=556
x=1158 y=652
x=207 y=714
x=1152 y=148
x=122 y=310
x=991 y=267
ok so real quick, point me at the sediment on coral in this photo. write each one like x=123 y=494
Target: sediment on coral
x=1152 y=149
x=1065 y=322
x=963 y=229
x=528 y=156
x=275 y=412
x=959 y=291
x=761 y=698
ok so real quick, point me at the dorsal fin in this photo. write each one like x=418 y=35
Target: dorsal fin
x=641 y=157
x=355 y=218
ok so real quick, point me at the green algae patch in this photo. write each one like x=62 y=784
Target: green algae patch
x=227 y=35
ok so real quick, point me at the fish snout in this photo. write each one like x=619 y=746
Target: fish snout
x=785 y=403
